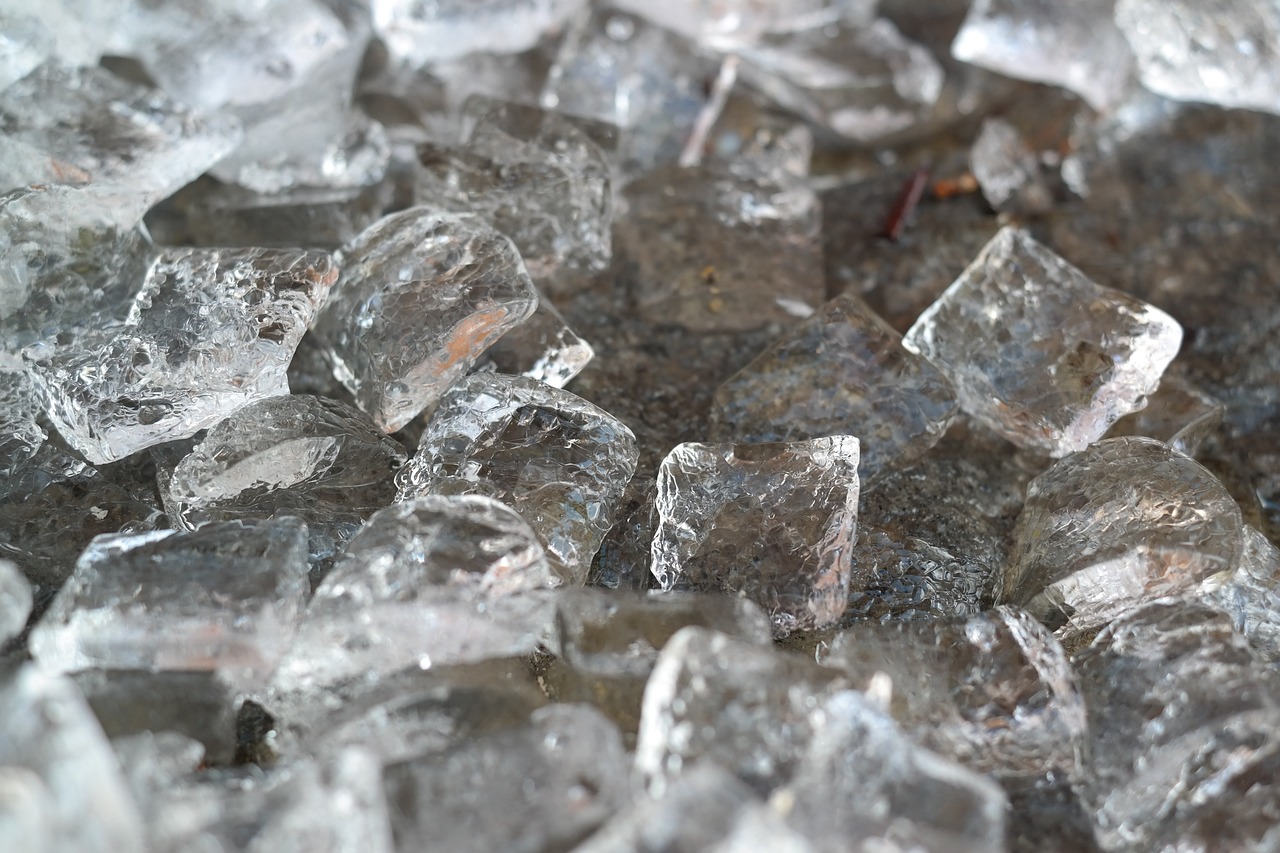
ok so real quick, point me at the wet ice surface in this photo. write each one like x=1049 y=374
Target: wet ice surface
x=683 y=223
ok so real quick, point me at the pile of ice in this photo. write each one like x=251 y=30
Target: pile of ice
x=308 y=547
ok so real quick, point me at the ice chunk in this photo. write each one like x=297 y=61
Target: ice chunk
x=331 y=806
x=125 y=146
x=1125 y=521
x=542 y=786
x=543 y=348
x=1007 y=170
x=227 y=597
x=1178 y=413
x=55 y=504
x=1073 y=45
x=860 y=780
x=25 y=43
x=1038 y=352
x=20 y=435
x=714 y=251
x=284 y=68
x=410 y=712
x=423 y=33
x=423 y=294
x=842 y=369
x=1223 y=52
x=61 y=781
x=78 y=31
x=619 y=69
x=866 y=82
x=904 y=578
x=559 y=461
x=432 y=581
x=697 y=812
x=64 y=264
x=608 y=642
x=15 y=601
x=199 y=704
x=210 y=331
x=1183 y=726
x=776 y=523
x=1251 y=595
x=993 y=692
x=744 y=706
x=320 y=460
x=725 y=24
x=535 y=177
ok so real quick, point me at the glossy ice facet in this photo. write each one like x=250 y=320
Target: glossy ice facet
x=1223 y=52
x=993 y=692
x=1073 y=45
x=423 y=33
x=861 y=780
x=559 y=461
x=744 y=706
x=210 y=331
x=431 y=581
x=866 y=82
x=1040 y=353
x=543 y=348
x=541 y=786
x=773 y=522
x=125 y=146
x=61 y=782
x=1126 y=521
x=423 y=294
x=227 y=597
x=317 y=459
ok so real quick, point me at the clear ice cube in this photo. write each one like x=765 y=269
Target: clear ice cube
x=1223 y=53
x=431 y=581
x=210 y=331
x=774 y=522
x=616 y=68
x=864 y=81
x=320 y=460
x=535 y=177
x=1183 y=729
x=993 y=692
x=747 y=707
x=1073 y=45
x=1039 y=352
x=1125 y=521
x=422 y=295
x=1007 y=170
x=842 y=369
x=125 y=146
x=862 y=780
x=559 y=461
x=424 y=33
x=62 y=783
x=226 y=597
x=15 y=601
x=542 y=786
